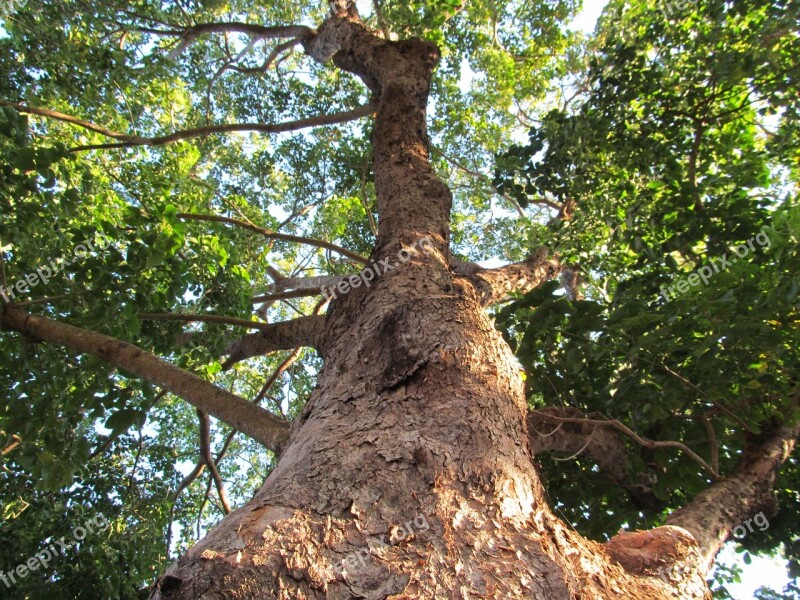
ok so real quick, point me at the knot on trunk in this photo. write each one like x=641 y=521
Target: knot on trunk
x=401 y=357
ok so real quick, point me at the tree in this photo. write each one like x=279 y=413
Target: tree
x=415 y=459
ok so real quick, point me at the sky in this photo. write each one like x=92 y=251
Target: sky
x=587 y=18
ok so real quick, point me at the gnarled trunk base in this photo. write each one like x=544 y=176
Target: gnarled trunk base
x=409 y=476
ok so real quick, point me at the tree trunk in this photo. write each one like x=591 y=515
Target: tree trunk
x=409 y=472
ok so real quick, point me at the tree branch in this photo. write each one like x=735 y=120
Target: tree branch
x=128 y=141
x=256 y=32
x=619 y=426
x=571 y=282
x=599 y=444
x=205 y=454
x=299 y=287
x=250 y=29
x=270 y=298
x=189 y=479
x=12 y=446
x=495 y=285
x=488 y=180
x=261 y=425
x=276 y=236
x=387 y=34
x=716 y=512
x=201 y=465
x=308 y=284
x=287 y=362
x=286 y=335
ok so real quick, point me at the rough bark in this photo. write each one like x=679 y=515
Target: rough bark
x=286 y=335
x=495 y=285
x=418 y=417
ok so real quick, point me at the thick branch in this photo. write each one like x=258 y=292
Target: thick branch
x=286 y=335
x=600 y=445
x=259 y=424
x=255 y=32
x=495 y=285
x=307 y=284
x=276 y=236
x=300 y=287
x=283 y=335
x=250 y=29
x=127 y=141
x=717 y=511
x=301 y=293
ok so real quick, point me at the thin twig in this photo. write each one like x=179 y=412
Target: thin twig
x=3 y=281
x=647 y=443
x=511 y=200
x=44 y=300
x=579 y=452
x=12 y=446
x=284 y=237
x=105 y=445
x=287 y=362
x=187 y=481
